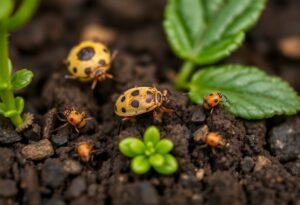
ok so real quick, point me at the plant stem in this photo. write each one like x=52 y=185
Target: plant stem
x=6 y=94
x=184 y=74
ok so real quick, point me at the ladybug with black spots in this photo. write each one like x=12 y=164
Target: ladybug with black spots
x=89 y=61
x=77 y=119
x=139 y=100
x=215 y=140
x=212 y=100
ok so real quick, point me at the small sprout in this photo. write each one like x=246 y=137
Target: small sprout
x=89 y=61
x=140 y=100
x=151 y=152
x=10 y=106
x=84 y=151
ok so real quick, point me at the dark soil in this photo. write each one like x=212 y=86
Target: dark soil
x=261 y=165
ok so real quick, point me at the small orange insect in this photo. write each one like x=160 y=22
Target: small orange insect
x=84 y=150
x=212 y=100
x=215 y=140
x=77 y=119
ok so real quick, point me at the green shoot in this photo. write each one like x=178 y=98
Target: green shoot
x=10 y=106
x=151 y=152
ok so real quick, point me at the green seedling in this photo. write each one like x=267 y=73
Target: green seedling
x=202 y=32
x=10 y=106
x=152 y=152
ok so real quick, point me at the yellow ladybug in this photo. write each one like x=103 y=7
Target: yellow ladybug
x=139 y=100
x=89 y=61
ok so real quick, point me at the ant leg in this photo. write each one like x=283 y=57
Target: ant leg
x=59 y=128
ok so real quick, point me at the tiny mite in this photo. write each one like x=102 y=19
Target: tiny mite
x=215 y=140
x=77 y=119
x=212 y=100
x=89 y=61
x=139 y=100
x=84 y=151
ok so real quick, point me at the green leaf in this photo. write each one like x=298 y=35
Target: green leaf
x=164 y=146
x=6 y=7
x=205 y=31
x=169 y=167
x=151 y=135
x=140 y=165
x=21 y=79
x=251 y=93
x=131 y=147
x=156 y=160
x=19 y=102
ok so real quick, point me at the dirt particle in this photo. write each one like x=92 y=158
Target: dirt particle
x=247 y=164
x=59 y=139
x=8 y=134
x=261 y=162
x=200 y=174
x=53 y=173
x=7 y=188
x=39 y=150
x=6 y=159
x=76 y=188
x=72 y=167
x=201 y=133
x=285 y=140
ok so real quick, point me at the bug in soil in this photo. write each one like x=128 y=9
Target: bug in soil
x=89 y=61
x=139 y=100
x=212 y=139
x=75 y=118
x=212 y=100
x=84 y=151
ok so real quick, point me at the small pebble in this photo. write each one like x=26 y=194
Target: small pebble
x=261 y=162
x=8 y=133
x=53 y=173
x=198 y=115
x=72 y=167
x=285 y=141
x=200 y=174
x=247 y=164
x=7 y=188
x=59 y=139
x=37 y=151
x=76 y=188
x=6 y=159
x=34 y=133
x=201 y=133
x=55 y=202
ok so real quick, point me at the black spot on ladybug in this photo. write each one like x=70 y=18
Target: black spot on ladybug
x=123 y=110
x=88 y=70
x=149 y=97
x=75 y=70
x=135 y=93
x=135 y=103
x=105 y=50
x=68 y=63
x=123 y=99
x=216 y=100
x=86 y=53
x=71 y=119
x=76 y=113
x=102 y=62
x=211 y=94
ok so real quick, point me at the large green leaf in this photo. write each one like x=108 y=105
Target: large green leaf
x=249 y=92
x=6 y=7
x=205 y=31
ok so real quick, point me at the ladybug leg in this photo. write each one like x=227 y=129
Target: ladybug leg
x=164 y=109
x=61 y=119
x=94 y=84
x=70 y=77
x=157 y=115
x=128 y=118
x=203 y=146
x=76 y=129
x=114 y=55
x=109 y=76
